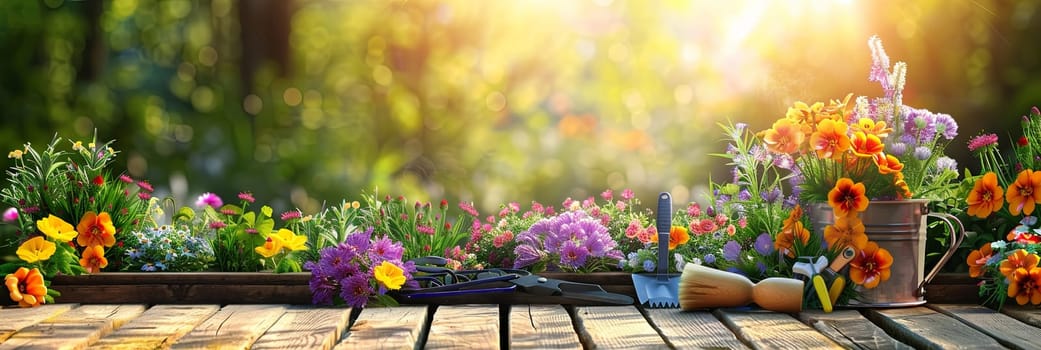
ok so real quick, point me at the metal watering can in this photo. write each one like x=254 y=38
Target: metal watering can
x=899 y=227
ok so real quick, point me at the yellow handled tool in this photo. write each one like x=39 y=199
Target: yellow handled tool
x=836 y=289
x=822 y=292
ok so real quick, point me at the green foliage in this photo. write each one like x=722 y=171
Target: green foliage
x=422 y=229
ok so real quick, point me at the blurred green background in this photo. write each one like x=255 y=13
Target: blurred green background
x=309 y=102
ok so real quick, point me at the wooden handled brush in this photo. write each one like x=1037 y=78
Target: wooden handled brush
x=704 y=287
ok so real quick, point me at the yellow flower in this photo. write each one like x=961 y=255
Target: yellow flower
x=77 y=146
x=94 y=259
x=291 y=241
x=56 y=228
x=389 y=275
x=271 y=247
x=16 y=154
x=871 y=127
x=830 y=140
x=784 y=137
x=96 y=229
x=26 y=287
x=36 y=249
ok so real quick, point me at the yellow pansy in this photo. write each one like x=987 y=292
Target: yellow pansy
x=56 y=228
x=271 y=247
x=291 y=241
x=389 y=275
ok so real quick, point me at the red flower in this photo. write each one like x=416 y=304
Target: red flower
x=1023 y=141
x=98 y=180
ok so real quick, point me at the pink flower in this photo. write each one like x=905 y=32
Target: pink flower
x=721 y=219
x=694 y=210
x=633 y=229
x=205 y=199
x=246 y=196
x=706 y=226
x=607 y=195
x=982 y=141
x=126 y=179
x=216 y=225
x=425 y=229
x=627 y=194
x=620 y=205
x=10 y=215
x=469 y=209
x=742 y=222
x=731 y=230
x=292 y=214
x=501 y=240
x=144 y=185
x=144 y=196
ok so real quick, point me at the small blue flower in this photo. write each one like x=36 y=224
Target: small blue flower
x=764 y=244
x=710 y=258
x=648 y=265
x=148 y=267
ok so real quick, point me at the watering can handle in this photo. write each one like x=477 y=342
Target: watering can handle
x=958 y=230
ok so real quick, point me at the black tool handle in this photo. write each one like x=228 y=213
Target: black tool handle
x=664 y=223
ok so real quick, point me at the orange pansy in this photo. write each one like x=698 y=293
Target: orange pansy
x=870 y=266
x=830 y=139
x=678 y=235
x=26 y=287
x=1025 y=285
x=1018 y=259
x=871 y=127
x=802 y=113
x=977 y=260
x=1024 y=193
x=847 y=231
x=786 y=238
x=847 y=198
x=94 y=259
x=784 y=137
x=96 y=229
x=986 y=196
x=887 y=163
x=866 y=145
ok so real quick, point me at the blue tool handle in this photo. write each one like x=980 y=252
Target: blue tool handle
x=664 y=223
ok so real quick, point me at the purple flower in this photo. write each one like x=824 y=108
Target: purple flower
x=784 y=161
x=947 y=164
x=922 y=153
x=764 y=244
x=548 y=236
x=731 y=251
x=356 y=290
x=11 y=214
x=709 y=259
x=771 y=196
x=879 y=64
x=946 y=126
x=744 y=195
x=572 y=255
x=360 y=240
x=385 y=249
x=648 y=265
x=526 y=255
x=323 y=288
x=209 y=199
x=898 y=148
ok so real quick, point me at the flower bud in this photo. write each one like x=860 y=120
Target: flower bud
x=11 y=215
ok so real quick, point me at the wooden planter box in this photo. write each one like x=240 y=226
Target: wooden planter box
x=292 y=288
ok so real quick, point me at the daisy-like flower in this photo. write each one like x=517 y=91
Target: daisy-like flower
x=1017 y=260
x=290 y=215
x=783 y=137
x=247 y=197
x=870 y=266
x=982 y=142
x=847 y=198
x=356 y=290
x=977 y=259
x=572 y=255
x=830 y=139
x=986 y=196
x=1025 y=285
x=1023 y=194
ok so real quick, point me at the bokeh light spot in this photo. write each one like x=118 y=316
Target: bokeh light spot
x=382 y=75
x=252 y=104
x=495 y=101
x=292 y=97
x=208 y=56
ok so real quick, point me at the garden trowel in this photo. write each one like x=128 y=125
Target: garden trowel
x=660 y=290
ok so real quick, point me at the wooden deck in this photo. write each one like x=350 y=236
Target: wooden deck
x=127 y=326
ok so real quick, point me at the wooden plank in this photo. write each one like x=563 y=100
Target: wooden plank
x=542 y=327
x=850 y=329
x=1003 y=328
x=923 y=328
x=17 y=318
x=615 y=327
x=159 y=327
x=763 y=329
x=464 y=327
x=697 y=330
x=387 y=328
x=234 y=326
x=74 y=329
x=305 y=328
x=1027 y=314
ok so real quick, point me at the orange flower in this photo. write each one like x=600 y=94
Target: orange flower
x=977 y=260
x=793 y=217
x=786 y=238
x=871 y=127
x=866 y=145
x=898 y=181
x=887 y=163
x=1023 y=237
x=870 y=266
x=802 y=113
x=1024 y=193
x=1026 y=286
x=94 y=259
x=830 y=139
x=784 y=137
x=847 y=231
x=1018 y=259
x=986 y=196
x=26 y=287
x=847 y=198
x=678 y=235
x=96 y=229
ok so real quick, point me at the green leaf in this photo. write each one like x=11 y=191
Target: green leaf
x=265 y=226
x=185 y=214
x=266 y=210
x=249 y=219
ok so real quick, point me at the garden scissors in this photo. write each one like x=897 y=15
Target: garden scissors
x=438 y=281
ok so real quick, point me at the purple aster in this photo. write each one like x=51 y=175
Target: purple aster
x=385 y=249
x=947 y=164
x=356 y=290
x=764 y=244
x=209 y=199
x=922 y=153
x=731 y=251
x=360 y=240
x=709 y=259
x=338 y=262
x=898 y=149
x=323 y=289
x=744 y=195
x=946 y=126
x=526 y=255
x=573 y=256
